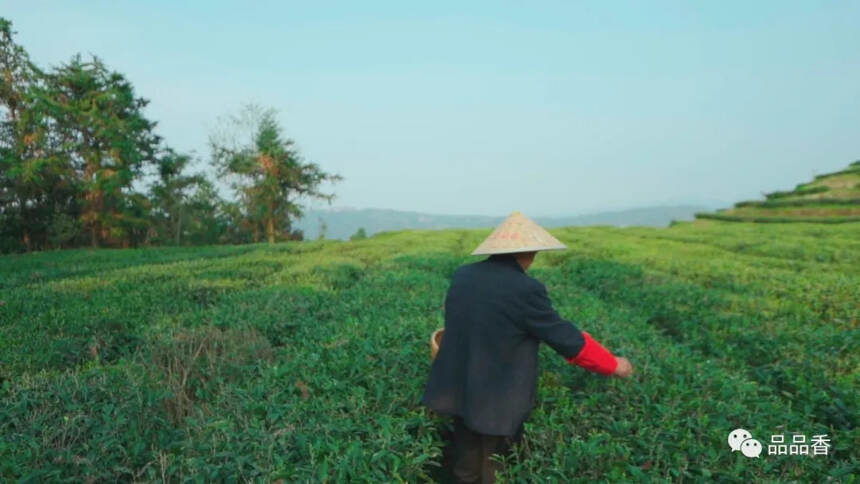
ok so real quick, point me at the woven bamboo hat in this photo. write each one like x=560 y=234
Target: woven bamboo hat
x=518 y=233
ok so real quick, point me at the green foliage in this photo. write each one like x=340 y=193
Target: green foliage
x=800 y=202
x=853 y=169
x=267 y=171
x=186 y=208
x=776 y=219
x=306 y=361
x=107 y=142
x=359 y=234
x=99 y=424
x=796 y=192
x=170 y=197
x=323 y=228
x=195 y=363
x=74 y=139
x=829 y=199
x=36 y=184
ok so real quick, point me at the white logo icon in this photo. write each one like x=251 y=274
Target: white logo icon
x=740 y=439
x=751 y=447
x=737 y=437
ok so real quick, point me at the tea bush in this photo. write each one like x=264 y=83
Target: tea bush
x=305 y=361
x=768 y=218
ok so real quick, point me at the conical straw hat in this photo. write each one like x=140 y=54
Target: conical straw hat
x=518 y=233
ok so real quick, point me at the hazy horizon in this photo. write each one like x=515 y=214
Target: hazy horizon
x=343 y=208
x=481 y=109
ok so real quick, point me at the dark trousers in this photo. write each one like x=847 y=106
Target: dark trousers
x=471 y=460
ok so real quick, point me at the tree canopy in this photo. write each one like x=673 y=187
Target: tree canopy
x=267 y=171
x=81 y=165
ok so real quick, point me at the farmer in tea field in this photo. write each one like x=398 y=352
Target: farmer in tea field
x=485 y=374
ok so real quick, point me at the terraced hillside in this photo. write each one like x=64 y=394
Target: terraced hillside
x=305 y=361
x=830 y=198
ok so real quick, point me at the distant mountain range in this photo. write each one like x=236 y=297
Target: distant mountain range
x=342 y=222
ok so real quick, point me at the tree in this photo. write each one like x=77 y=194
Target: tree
x=209 y=220
x=171 y=196
x=323 y=229
x=74 y=139
x=267 y=171
x=107 y=140
x=36 y=183
x=359 y=234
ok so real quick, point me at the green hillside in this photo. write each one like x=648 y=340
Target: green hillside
x=305 y=361
x=829 y=198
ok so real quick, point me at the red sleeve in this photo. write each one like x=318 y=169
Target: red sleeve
x=594 y=357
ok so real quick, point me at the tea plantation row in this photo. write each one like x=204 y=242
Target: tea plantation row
x=305 y=362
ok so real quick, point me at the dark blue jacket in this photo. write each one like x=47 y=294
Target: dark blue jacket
x=486 y=370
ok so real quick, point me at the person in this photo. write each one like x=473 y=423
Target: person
x=485 y=374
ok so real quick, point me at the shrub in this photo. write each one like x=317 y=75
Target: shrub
x=103 y=424
x=194 y=363
x=759 y=219
x=793 y=193
x=803 y=202
x=305 y=362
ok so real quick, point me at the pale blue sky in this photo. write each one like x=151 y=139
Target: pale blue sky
x=552 y=108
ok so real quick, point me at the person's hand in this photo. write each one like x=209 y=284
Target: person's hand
x=624 y=368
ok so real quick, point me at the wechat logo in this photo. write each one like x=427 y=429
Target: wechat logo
x=740 y=439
